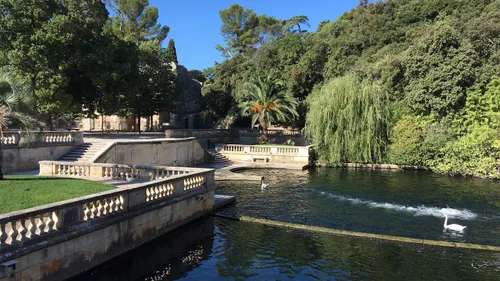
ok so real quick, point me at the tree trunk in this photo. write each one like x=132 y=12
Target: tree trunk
x=263 y=130
x=1 y=162
x=102 y=123
x=139 y=124
x=51 y=128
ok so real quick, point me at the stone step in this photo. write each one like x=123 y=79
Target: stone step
x=69 y=159
x=221 y=161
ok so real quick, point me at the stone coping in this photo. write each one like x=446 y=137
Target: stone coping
x=371 y=236
x=138 y=166
x=159 y=140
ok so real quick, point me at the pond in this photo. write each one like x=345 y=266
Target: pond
x=409 y=204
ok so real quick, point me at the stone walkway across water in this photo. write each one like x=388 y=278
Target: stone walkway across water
x=227 y=172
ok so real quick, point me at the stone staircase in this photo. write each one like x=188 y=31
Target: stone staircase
x=218 y=158
x=83 y=153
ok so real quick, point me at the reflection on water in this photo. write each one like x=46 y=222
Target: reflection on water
x=247 y=251
x=406 y=204
x=169 y=257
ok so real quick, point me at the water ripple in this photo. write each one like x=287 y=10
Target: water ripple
x=421 y=210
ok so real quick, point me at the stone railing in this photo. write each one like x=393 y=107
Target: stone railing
x=261 y=149
x=200 y=133
x=211 y=133
x=282 y=154
x=19 y=139
x=270 y=132
x=103 y=171
x=36 y=224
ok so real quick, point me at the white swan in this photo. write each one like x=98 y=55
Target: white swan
x=262 y=184
x=454 y=227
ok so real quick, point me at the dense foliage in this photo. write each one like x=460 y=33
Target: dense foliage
x=352 y=117
x=265 y=100
x=438 y=62
x=79 y=60
x=17 y=105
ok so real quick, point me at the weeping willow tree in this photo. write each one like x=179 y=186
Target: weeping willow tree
x=349 y=119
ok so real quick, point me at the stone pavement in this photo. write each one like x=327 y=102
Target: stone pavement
x=226 y=171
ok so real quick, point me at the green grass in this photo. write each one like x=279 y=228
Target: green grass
x=22 y=192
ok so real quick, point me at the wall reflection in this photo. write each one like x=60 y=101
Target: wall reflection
x=169 y=257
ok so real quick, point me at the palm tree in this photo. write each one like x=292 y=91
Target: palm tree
x=17 y=106
x=266 y=100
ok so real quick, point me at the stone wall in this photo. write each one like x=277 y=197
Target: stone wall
x=59 y=240
x=117 y=123
x=24 y=159
x=22 y=152
x=181 y=152
x=77 y=254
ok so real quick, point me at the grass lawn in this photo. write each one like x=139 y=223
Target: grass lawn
x=22 y=192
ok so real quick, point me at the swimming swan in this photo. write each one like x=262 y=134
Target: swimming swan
x=262 y=184
x=454 y=227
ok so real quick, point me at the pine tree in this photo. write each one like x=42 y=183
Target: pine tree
x=171 y=52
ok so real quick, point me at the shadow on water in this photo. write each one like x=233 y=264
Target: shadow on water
x=168 y=257
x=221 y=249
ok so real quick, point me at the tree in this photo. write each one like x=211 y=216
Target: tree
x=17 y=106
x=197 y=75
x=266 y=101
x=52 y=44
x=349 y=120
x=296 y=21
x=135 y=20
x=156 y=88
x=171 y=53
x=439 y=69
x=239 y=30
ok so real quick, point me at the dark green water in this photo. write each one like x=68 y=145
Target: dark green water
x=406 y=204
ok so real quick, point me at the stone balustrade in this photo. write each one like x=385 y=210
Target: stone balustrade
x=270 y=132
x=210 y=133
x=33 y=225
x=261 y=149
x=284 y=154
x=16 y=139
x=200 y=133
x=103 y=171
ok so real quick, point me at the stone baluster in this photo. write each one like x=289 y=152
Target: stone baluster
x=12 y=235
x=156 y=192
x=105 y=207
x=31 y=228
x=23 y=230
x=3 y=233
x=50 y=224
x=40 y=225
x=111 y=205
x=86 y=212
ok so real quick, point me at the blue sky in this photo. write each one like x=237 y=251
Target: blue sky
x=195 y=24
